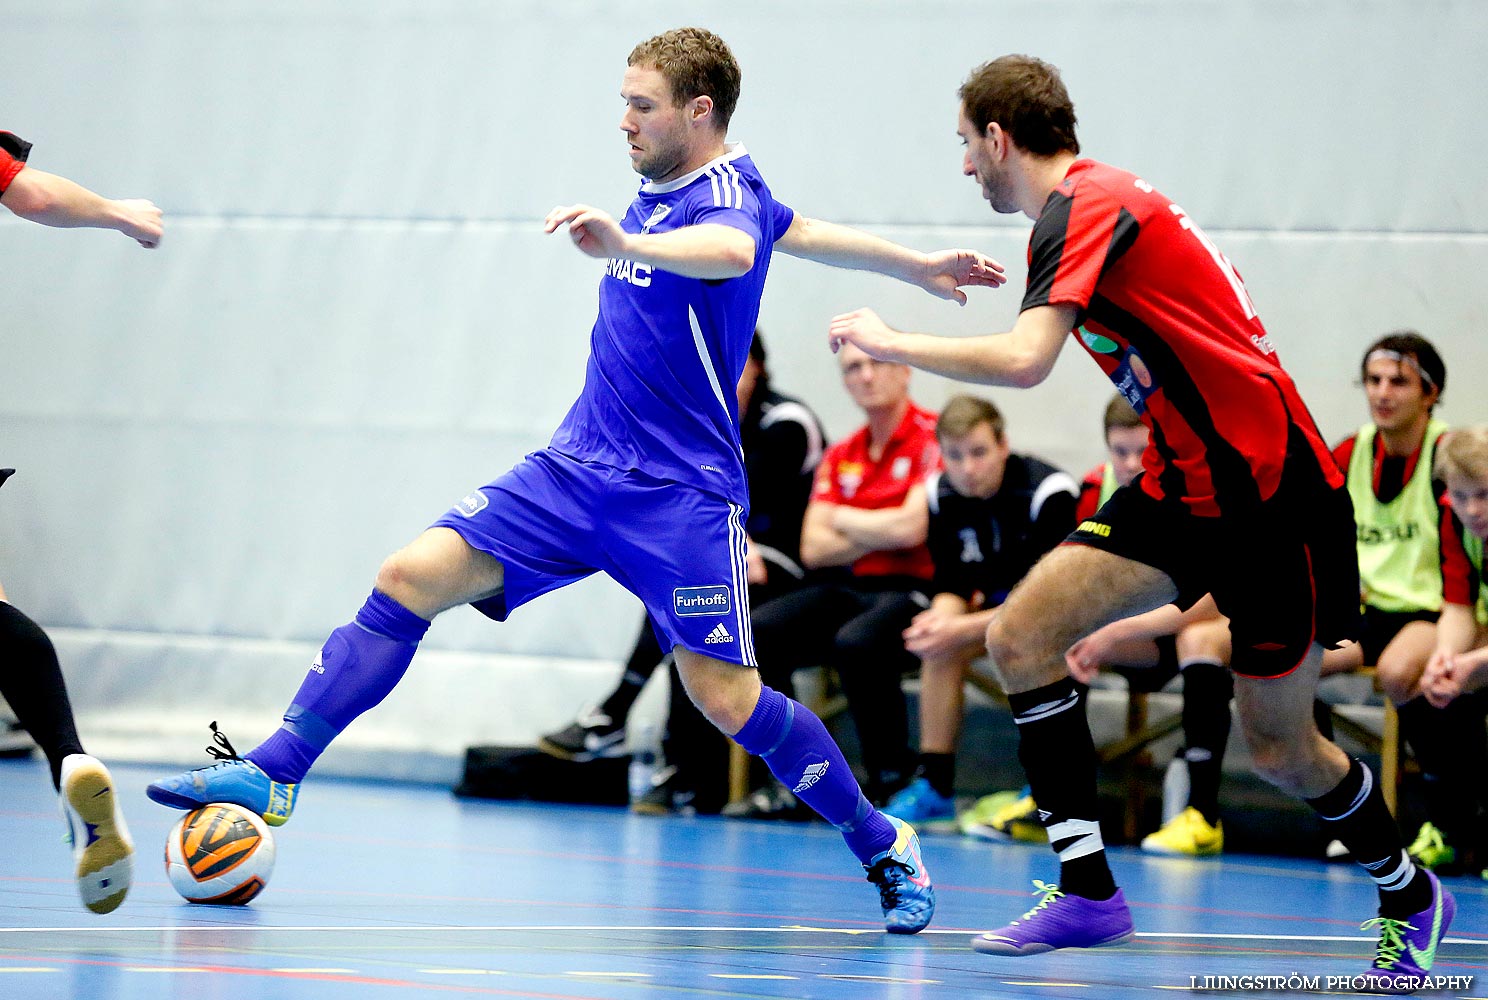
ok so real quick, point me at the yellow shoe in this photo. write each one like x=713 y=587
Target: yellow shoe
x=101 y=847
x=1017 y=819
x=982 y=811
x=1188 y=833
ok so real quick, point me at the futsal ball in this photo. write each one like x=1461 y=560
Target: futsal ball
x=221 y=854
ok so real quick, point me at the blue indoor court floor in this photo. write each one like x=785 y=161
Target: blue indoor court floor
x=393 y=891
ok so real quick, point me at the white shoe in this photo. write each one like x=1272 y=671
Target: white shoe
x=100 y=841
x=1335 y=851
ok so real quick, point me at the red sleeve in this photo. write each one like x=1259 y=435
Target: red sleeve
x=1344 y=453
x=1090 y=490
x=13 y=153
x=1075 y=239
x=1088 y=503
x=1457 y=571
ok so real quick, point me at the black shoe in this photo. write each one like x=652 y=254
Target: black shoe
x=592 y=735
x=771 y=802
x=667 y=796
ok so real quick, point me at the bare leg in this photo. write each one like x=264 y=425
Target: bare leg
x=943 y=698
x=1070 y=593
x=437 y=571
x=1276 y=718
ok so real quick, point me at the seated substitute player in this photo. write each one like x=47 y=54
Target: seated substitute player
x=867 y=519
x=644 y=480
x=1389 y=465
x=1239 y=498
x=993 y=514
x=782 y=441
x=30 y=677
x=1456 y=675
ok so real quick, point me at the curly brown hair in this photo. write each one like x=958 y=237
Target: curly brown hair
x=695 y=62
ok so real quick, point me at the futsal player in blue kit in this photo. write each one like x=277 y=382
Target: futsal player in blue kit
x=644 y=479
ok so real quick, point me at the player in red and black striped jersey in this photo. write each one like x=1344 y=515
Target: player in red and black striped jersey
x=1239 y=497
x=56 y=201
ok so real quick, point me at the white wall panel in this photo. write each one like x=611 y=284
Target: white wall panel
x=1333 y=115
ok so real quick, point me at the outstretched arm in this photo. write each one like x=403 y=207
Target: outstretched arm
x=56 y=201
x=1023 y=357
x=707 y=250
x=941 y=274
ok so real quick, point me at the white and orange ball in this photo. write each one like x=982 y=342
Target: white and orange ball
x=220 y=854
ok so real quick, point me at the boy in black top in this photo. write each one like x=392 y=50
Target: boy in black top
x=992 y=515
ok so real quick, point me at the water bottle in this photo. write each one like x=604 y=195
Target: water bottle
x=645 y=754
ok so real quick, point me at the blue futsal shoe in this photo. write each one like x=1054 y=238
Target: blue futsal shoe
x=904 y=890
x=232 y=779
x=918 y=802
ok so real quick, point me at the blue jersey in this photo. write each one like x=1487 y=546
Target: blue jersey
x=667 y=351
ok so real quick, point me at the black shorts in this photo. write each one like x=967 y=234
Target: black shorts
x=1286 y=574
x=1381 y=627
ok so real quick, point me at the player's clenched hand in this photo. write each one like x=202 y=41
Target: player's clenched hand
x=863 y=328
x=1085 y=658
x=141 y=221
x=933 y=632
x=946 y=271
x=1441 y=681
x=593 y=231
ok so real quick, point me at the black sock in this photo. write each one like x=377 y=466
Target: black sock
x=31 y=681
x=643 y=661
x=1449 y=745
x=940 y=770
x=1058 y=755
x=1354 y=812
x=1207 y=689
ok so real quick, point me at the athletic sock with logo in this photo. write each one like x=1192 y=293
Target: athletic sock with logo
x=1058 y=755
x=799 y=751
x=357 y=667
x=1207 y=689
x=31 y=681
x=1355 y=813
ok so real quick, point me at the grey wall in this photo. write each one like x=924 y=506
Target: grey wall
x=356 y=318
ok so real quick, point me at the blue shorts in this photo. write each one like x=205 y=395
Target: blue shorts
x=553 y=520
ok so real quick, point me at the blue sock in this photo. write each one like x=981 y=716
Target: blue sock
x=800 y=752
x=357 y=667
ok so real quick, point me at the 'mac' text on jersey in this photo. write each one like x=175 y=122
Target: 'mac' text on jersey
x=666 y=351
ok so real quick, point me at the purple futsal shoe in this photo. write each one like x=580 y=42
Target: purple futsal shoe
x=1407 y=948
x=1061 y=921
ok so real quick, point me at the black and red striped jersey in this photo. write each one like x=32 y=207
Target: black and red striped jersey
x=13 y=153
x=1169 y=321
